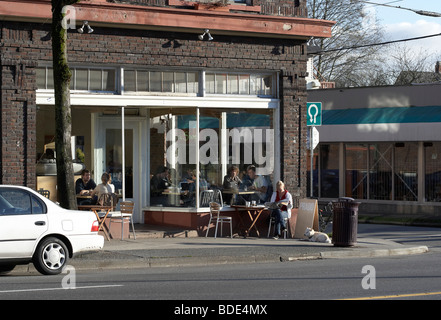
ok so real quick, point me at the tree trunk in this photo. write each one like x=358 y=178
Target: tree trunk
x=63 y=117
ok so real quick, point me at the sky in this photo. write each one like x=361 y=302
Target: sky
x=403 y=24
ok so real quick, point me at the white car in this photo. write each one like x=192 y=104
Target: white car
x=35 y=229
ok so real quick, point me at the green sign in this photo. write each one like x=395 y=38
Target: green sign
x=314 y=114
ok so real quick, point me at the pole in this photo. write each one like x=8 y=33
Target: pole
x=311 y=156
x=123 y=153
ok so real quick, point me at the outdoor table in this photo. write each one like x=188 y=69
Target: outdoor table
x=254 y=213
x=96 y=208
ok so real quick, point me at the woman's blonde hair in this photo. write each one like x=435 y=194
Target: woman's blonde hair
x=280 y=183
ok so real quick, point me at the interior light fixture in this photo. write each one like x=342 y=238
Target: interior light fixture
x=87 y=26
x=206 y=32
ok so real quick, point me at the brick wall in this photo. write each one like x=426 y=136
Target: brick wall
x=145 y=48
x=18 y=108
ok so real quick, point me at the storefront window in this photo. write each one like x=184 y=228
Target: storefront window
x=329 y=170
x=389 y=169
x=406 y=169
x=432 y=152
x=380 y=171
x=173 y=157
x=356 y=170
x=180 y=154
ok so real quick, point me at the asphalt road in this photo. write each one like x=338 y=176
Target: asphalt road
x=317 y=279
x=401 y=277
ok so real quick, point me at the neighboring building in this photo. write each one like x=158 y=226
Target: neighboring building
x=245 y=78
x=381 y=146
x=413 y=77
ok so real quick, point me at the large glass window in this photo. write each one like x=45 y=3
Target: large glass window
x=243 y=84
x=226 y=140
x=161 y=81
x=356 y=157
x=329 y=170
x=406 y=171
x=432 y=153
x=382 y=171
x=83 y=79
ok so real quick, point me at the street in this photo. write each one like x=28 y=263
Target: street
x=403 y=277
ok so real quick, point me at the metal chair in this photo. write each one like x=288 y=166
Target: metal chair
x=126 y=208
x=215 y=209
x=273 y=222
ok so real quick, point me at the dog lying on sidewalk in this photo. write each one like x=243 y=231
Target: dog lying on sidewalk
x=317 y=236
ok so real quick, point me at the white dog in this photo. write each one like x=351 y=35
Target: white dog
x=317 y=236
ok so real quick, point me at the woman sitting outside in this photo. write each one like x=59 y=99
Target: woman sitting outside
x=284 y=200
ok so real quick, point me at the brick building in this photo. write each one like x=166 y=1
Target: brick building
x=146 y=59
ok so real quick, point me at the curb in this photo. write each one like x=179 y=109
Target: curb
x=374 y=253
x=141 y=262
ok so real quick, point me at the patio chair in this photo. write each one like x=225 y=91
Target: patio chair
x=215 y=209
x=273 y=223
x=126 y=212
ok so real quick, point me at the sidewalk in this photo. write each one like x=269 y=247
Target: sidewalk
x=167 y=247
x=157 y=246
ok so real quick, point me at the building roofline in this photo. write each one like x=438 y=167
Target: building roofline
x=101 y=13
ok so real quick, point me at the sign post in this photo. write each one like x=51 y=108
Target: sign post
x=313 y=119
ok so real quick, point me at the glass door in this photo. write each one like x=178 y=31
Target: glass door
x=108 y=154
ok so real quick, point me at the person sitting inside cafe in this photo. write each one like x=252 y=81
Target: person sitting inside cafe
x=105 y=187
x=231 y=182
x=260 y=185
x=84 y=186
x=284 y=201
x=158 y=183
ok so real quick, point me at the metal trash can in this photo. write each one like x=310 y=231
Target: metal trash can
x=345 y=222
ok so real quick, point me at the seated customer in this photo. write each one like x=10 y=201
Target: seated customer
x=105 y=187
x=84 y=186
x=231 y=182
x=284 y=200
x=260 y=185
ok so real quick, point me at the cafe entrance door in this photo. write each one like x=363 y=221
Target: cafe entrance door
x=108 y=157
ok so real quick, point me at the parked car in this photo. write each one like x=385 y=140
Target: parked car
x=35 y=229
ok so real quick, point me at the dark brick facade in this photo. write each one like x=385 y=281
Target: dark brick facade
x=24 y=45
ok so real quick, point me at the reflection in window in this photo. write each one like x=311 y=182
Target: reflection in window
x=356 y=170
x=114 y=159
x=406 y=169
x=329 y=170
x=432 y=152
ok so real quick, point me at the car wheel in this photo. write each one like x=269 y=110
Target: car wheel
x=6 y=268
x=51 y=256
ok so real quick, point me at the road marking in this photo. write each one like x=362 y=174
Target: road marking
x=54 y=289
x=395 y=296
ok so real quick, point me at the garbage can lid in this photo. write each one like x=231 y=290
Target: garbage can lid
x=347 y=199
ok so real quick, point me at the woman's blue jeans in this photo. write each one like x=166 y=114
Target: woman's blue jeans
x=280 y=222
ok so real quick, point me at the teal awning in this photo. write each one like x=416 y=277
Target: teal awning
x=382 y=115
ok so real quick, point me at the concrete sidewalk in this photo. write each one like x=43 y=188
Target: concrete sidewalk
x=168 y=247
x=156 y=248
